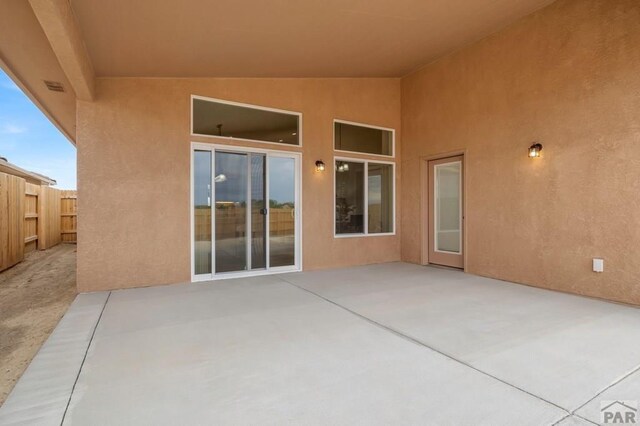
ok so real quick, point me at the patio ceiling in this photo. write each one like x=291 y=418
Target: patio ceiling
x=70 y=42
x=283 y=38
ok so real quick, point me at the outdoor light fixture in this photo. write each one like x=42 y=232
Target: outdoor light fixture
x=343 y=167
x=534 y=150
x=319 y=166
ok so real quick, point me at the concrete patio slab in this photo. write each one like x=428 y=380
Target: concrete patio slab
x=574 y=421
x=554 y=345
x=627 y=389
x=259 y=349
x=379 y=344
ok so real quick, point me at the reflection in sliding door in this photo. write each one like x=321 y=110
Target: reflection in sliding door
x=231 y=215
x=202 y=212
x=282 y=223
x=258 y=212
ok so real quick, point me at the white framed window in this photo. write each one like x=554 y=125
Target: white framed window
x=211 y=117
x=364 y=197
x=358 y=138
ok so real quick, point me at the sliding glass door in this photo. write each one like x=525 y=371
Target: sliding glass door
x=254 y=213
x=282 y=211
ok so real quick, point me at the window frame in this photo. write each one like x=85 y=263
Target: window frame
x=366 y=197
x=370 y=126
x=245 y=105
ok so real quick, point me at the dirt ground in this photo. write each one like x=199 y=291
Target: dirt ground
x=34 y=295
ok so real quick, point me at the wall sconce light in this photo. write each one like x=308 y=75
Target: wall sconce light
x=534 y=150
x=342 y=166
x=319 y=166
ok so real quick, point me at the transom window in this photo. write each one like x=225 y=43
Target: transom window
x=364 y=197
x=363 y=139
x=225 y=119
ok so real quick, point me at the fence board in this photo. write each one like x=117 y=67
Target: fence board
x=68 y=216
x=49 y=218
x=12 y=190
x=31 y=195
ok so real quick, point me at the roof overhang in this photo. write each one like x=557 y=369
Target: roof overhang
x=31 y=177
x=27 y=57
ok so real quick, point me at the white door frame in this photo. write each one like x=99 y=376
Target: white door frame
x=270 y=153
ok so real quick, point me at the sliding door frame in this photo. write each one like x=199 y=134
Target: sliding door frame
x=269 y=153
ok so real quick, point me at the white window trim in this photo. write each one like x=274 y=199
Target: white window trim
x=297 y=267
x=353 y=123
x=365 y=218
x=240 y=104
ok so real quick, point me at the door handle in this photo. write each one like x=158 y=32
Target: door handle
x=263 y=212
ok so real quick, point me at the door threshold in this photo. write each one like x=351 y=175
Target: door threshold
x=449 y=268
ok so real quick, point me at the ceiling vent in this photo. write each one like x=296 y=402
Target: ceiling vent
x=54 y=86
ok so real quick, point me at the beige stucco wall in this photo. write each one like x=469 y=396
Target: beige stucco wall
x=567 y=76
x=134 y=179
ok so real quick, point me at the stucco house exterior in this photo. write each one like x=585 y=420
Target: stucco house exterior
x=224 y=139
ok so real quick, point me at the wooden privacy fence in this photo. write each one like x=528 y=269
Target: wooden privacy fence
x=12 y=198
x=41 y=217
x=69 y=216
x=33 y=217
x=231 y=221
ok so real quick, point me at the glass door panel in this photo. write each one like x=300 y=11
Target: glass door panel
x=448 y=212
x=258 y=212
x=202 y=212
x=446 y=202
x=282 y=205
x=231 y=193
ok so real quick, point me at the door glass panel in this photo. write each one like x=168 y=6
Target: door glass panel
x=380 y=198
x=258 y=212
x=202 y=212
x=230 y=209
x=349 y=197
x=282 y=211
x=448 y=214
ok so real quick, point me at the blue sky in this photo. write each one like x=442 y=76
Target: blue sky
x=29 y=140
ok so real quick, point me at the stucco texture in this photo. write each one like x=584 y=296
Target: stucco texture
x=568 y=77
x=134 y=171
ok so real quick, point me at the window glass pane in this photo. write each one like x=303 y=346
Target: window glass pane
x=380 y=198
x=231 y=211
x=448 y=214
x=282 y=204
x=349 y=137
x=258 y=212
x=202 y=212
x=349 y=197
x=232 y=121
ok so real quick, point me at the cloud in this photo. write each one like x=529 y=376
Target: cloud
x=12 y=129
